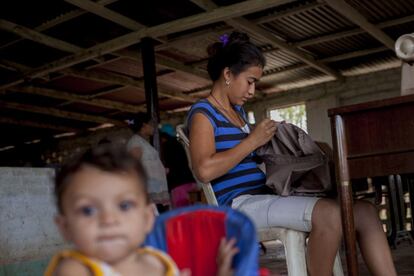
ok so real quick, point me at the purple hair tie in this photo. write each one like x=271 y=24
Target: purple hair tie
x=224 y=39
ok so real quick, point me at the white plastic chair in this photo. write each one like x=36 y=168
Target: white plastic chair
x=293 y=241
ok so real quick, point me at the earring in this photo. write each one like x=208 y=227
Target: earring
x=227 y=82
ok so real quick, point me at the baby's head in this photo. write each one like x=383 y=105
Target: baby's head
x=103 y=205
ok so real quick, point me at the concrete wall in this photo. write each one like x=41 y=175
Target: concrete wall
x=319 y=98
x=28 y=236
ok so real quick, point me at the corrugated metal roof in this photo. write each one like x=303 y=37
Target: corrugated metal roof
x=328 y=44
x=377 y=10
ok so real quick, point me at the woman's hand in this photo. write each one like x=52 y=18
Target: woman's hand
x=263 y=132
x=227 y=250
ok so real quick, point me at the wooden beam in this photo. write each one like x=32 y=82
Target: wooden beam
x=60 y=113
x=57 y=94
x=334 y=36
x=245 y=25
x=28 y=123
x=356 y=31
x=178 y=66
x=282 y=14
x=215 y=31
x=268 y=37
x=55 y=43
x=127 y=81
x=41 y=38
x=59 y=20
x=354 y=54
x=135 y=26
x=107 y=91
x=14 y=66
x=357 y=18
x=178 y=25
x=112 y=89
x=101 y=11
x=166 y=62
x=38 y=37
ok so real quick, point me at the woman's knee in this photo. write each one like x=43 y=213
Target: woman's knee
x=326 y=215
x=365 y=214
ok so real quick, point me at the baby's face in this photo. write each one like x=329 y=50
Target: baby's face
x=105 y=214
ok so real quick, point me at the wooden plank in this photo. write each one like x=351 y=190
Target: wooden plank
x=60 y=113
x=57 y=94
x=268 y=37
x=319 y=39
x=357 y=18
x=126 y=81
x=178 y=25
x=38 y=37
x=166 y=62
x=216 y=31
x=245 y=25
x=58 y=20
x=29 y=123
x=134 y=25
x=104 y=12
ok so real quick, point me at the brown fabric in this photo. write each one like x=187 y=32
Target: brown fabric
x=294 y=163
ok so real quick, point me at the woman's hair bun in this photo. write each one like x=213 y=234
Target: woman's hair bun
x=236 y=37
x=214 y=48
x=226 y=40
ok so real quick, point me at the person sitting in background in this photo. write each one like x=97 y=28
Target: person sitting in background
x=179 y=176
x=140 y=147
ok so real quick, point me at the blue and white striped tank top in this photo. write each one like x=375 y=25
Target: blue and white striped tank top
x=245 y=177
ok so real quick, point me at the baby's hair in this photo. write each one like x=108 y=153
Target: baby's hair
x=106 y=157
x=236 y=52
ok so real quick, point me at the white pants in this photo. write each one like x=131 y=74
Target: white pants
x=293 y=212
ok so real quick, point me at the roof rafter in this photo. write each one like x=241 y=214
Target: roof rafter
x=178 y=25
x=135 y=26
x=57 y=94
x=166 y=62
x=261 y=20
x=127 y=81
x=60 y=113
x=29 y=123
x=334 y=36
x=104 y=12
x=52 y=42
x=59 y=20
x=244 y=24
x=357 y=18
x=38 y=37
x=354 y=54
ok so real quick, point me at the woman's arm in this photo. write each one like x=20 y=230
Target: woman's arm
x=208 y=164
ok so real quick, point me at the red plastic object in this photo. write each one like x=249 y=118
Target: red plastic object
x=193 y=240
x=264 y=272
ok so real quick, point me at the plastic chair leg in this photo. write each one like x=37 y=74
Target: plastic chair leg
x=337 y=269
x=294 y=243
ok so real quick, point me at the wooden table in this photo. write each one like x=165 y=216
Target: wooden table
x=370 y=139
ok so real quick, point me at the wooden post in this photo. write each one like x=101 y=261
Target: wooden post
x=345 y=194
x=150 y=81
